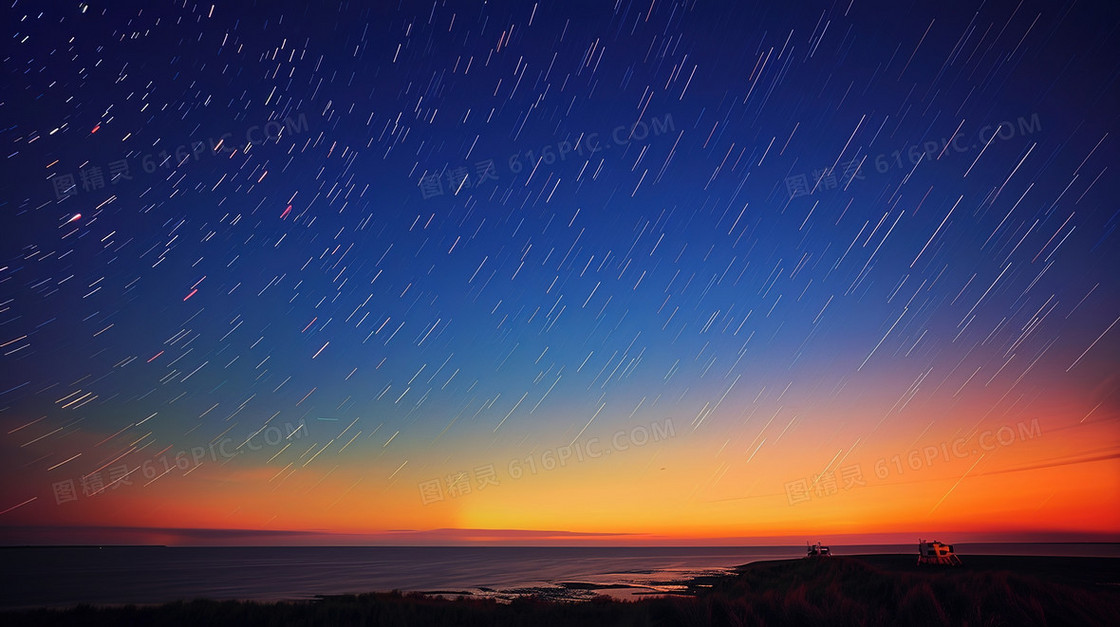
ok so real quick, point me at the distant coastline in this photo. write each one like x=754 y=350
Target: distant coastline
x=858 y=590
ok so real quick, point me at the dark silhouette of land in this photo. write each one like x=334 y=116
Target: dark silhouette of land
x=857 y=590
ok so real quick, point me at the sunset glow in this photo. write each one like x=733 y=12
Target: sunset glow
x=531 y=275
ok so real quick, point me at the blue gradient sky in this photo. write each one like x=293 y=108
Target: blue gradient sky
x=673 y=232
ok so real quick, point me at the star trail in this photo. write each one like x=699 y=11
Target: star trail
x=665 y=270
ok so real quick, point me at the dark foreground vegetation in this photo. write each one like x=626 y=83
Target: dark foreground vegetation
x=871 y=590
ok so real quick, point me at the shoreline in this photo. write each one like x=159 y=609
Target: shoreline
x=856 y=589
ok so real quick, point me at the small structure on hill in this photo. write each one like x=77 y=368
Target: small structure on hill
x=934 y=552
x=817 y=550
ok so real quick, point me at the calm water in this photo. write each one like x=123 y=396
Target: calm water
x=117 y=575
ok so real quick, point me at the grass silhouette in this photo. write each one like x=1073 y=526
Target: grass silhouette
x=868 y=590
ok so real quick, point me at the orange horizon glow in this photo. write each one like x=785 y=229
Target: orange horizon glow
x=1020 y=477
x=595 y=274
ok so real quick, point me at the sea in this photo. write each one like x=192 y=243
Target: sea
x=118 y=575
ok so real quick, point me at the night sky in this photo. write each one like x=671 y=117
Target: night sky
x=561 y=271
